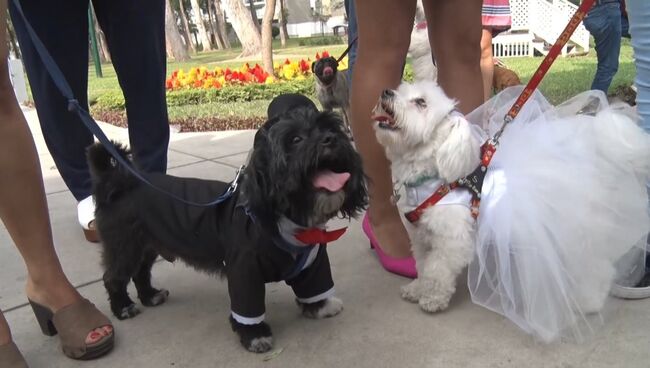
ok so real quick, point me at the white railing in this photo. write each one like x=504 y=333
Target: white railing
x=546 y=19
x=513 y=45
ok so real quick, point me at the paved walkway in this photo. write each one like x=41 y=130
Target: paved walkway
x=376 y=329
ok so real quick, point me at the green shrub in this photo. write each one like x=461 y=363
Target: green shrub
x=408 y=73
x=321 y=41
x=111 y=101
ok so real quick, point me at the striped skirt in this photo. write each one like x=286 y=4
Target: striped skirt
x=496 y=14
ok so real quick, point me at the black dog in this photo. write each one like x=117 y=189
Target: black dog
x=302 y=172
x=332 y=87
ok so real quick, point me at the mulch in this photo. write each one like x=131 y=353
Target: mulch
x=203 y=124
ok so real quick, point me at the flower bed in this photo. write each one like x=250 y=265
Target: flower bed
x=195 y=90
x=204 y=78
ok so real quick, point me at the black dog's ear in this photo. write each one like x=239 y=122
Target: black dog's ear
x=258 y=187
x=313 y=66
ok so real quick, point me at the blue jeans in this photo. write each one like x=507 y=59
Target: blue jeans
x=351 y=12
x=604 y=23
x=135 y=31
x=638 y=14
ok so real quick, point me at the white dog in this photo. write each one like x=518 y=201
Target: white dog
x=563 y=199
x=427 y=145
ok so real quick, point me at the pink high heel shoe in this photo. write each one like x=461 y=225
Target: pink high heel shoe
x=400 y=266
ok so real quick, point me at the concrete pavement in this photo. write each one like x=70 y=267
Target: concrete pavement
x=376 y=329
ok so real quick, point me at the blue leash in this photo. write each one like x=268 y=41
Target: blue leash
x=74 y=106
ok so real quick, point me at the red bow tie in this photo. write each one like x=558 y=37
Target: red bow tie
x=319 y=236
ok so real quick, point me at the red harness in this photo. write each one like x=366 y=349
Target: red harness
x=474 y=181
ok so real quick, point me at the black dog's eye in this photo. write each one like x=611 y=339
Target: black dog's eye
x=296 y=139
x=420 y=102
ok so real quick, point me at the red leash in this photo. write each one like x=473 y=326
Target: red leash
x=474 y=181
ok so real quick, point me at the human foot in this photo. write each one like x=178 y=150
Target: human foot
x=10 y=356
x=390 y=232
x=400 y=266
x=86 y=216
x=56 y=295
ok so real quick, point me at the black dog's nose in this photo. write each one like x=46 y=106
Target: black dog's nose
x=327 y=140
x=387 y=93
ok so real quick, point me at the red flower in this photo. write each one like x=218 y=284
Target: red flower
x=304 y=66
x=326 y=54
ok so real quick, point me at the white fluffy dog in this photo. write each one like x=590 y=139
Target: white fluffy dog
x=564 y=198
x=427 y=144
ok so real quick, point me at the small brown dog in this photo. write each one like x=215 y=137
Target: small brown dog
x=504 y=78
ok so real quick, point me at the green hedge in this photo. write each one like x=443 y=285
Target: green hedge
x=114 y=100
x=321 y=41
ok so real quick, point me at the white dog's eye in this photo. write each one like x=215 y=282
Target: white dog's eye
x=420 y=102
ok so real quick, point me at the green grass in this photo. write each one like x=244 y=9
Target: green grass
x=571 y=75
x=568 y=76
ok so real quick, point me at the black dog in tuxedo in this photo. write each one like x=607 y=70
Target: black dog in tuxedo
x=302 y=172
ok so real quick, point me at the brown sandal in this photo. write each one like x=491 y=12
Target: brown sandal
x=11 y=357
x=73 y=323
x=90 y=233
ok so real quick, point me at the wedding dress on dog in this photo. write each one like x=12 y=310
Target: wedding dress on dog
x=564 y=198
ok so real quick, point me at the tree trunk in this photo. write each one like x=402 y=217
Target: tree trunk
x=186 y=27
x=256 y=20
x=221 y=24
x=267 y=36
x=11 y=39
x=284 y=35
x=213 y=26
x=242 y=23
x=203 y=34
x=104 y=53
x=173 y=39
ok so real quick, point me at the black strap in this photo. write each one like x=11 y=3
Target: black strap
x=74 y=106
x=354 y=40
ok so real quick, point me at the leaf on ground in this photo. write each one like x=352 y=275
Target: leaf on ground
x=274 y=354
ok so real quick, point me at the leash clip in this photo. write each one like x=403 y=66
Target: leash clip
x=235 y=182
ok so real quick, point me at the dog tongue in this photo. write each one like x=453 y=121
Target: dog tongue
x=330 y=180
x=328 y=70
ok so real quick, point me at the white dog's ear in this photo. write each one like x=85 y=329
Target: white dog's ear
x=460 y=153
